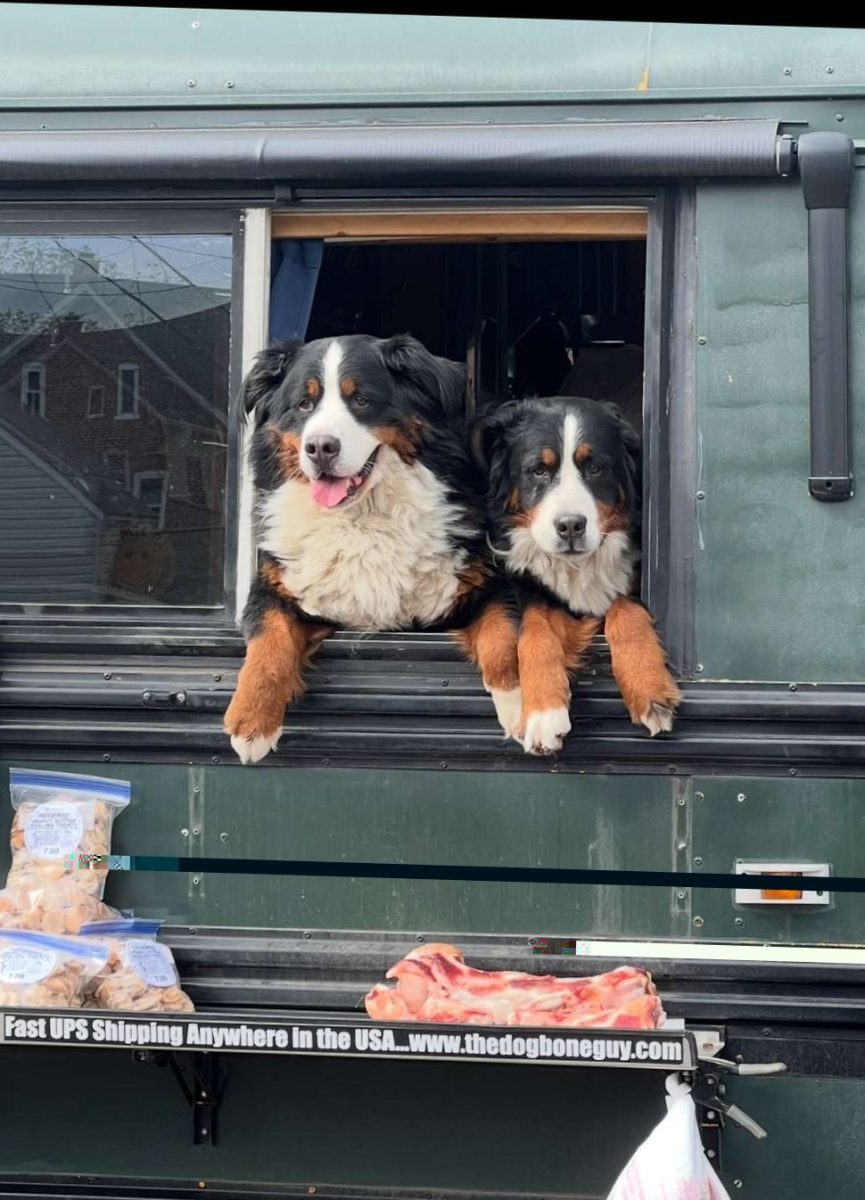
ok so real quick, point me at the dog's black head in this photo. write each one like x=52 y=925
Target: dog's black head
x=564 y=469
x=323 y=411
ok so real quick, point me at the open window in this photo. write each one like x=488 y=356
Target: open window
x=534 y=302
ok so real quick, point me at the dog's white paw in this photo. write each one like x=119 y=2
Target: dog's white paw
x=545 y=731
x=253 y=750
x=509 y=707
x=658 y=718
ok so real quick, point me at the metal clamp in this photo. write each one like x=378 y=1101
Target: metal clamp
x=708 y=1089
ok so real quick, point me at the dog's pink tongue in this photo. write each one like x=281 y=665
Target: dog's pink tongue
x=329 y=492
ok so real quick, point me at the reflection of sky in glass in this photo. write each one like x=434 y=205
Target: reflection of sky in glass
x=200 y=260
x=118 y=281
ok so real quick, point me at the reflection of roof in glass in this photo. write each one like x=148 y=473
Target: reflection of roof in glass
x=105 y=303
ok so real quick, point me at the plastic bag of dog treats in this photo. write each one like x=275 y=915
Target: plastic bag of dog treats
x=140 y=975
x=58 y=908
x=61 y=831
x=38 y=971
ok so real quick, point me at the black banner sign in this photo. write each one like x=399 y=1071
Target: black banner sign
x=353 y=1039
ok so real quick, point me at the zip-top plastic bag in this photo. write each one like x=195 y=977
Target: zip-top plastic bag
x=57 y=908
x=671 y=1164
x=61 y=830
x=38 y=971
x=139 y=975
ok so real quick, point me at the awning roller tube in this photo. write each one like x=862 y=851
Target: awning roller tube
x=403 y=154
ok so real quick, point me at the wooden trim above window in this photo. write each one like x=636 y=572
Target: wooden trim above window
x=609 y=224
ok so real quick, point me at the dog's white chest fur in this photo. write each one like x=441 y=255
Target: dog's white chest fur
x=588 y=587
x=383 y=563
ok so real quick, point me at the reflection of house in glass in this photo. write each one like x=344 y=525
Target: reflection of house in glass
x=113 y=403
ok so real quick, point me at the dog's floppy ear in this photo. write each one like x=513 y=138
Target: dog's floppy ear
x=487 y=431
x=438 y=379
x=268 y=371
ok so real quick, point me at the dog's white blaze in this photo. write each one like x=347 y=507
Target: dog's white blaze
x=333 y=418
x=587 y=585
x=382 y=563
x=569 y=497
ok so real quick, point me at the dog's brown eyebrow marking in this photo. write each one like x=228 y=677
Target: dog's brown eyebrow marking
x=347 y=387
x=549 y=457
x=312 y=388
x=583 y=452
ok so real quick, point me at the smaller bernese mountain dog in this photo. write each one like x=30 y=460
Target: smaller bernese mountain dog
x=369 y=513
x=563 y=501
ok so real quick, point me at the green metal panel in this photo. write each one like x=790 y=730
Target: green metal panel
x=780 y=577
x=543 y=1130
x=809 y=820
x=442 y=817
x=80 y=56
x=815 y=1149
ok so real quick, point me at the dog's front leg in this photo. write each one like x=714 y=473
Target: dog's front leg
x=490 y=642
x=278 y=648
x=552 y=644
x=639 y=663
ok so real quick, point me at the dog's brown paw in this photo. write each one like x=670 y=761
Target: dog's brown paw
x=254 y=724
x=655 y=706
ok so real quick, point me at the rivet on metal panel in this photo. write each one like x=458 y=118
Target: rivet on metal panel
x=839 y=116
x=196 y=880
x=794 y=687
x=197 y=25
x=311 y=1191
x=702 y=340
x=830 y=70
x=680 y=895
x=682 y=802
x=699 y=668
x=325 y=762
x=738 y=921
x=699 y=796
x=792 y=771
x=190 y=83
x=106 y=758
x=106 y=674
x=196 y=831
x=445 y=682
x=307 y=935
x=741 y=797
x=698 y=862
x=701 y=495
x=223 y=837
x=698 y=921
x=229 y=83
x=681 y=845
x=181 y=697
x=737 y=1183
x=443 y=766
x=217 y=679
x=788 y=70
x=215 y=759
x=184 y=833
x=196 y=790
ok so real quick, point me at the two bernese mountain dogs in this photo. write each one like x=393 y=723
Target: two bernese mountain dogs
x=381 y=507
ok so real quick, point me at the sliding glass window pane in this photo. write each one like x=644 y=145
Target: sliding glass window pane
x=113 y=419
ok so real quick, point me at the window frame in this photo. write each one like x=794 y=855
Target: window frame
x=119 y=414
x=95 y=387
x=63 y=625
x=669 y=535
x=26 y=370
x=137 y=480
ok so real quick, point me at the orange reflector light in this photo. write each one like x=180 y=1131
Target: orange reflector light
x=768 y=894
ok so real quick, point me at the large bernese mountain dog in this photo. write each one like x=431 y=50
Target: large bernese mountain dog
x=564 y=489
x=369 y=515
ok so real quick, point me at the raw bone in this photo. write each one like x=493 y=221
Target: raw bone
x=433 y=984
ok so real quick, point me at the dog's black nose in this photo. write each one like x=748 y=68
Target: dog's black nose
x=571 y=527
x=322 y=450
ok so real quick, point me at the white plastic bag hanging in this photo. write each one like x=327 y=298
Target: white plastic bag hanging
x=670 y=1164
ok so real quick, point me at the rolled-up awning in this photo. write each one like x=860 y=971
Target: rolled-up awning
x=404 y=154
